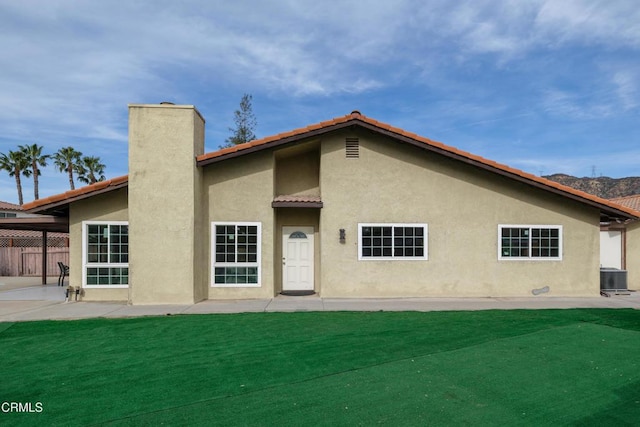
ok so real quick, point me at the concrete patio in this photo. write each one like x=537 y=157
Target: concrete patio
x=24 y=299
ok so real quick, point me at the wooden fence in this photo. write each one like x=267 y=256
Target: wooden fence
x=28 y=261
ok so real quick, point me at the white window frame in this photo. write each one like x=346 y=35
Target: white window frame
x=86 y=264
x=215 y=264
x=531 y=227
x=424 y=226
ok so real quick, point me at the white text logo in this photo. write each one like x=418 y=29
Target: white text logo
x=20 y=407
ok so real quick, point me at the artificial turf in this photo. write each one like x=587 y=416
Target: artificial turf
x=521 y=367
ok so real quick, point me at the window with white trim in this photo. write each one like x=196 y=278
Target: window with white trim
x=530 y=242
x=392 y=241
x=235 y=248
x=105 y=254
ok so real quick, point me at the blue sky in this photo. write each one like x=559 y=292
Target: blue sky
x=544 y=86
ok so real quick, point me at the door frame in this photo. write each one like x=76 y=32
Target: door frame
x=618 y=247
x=309 y=230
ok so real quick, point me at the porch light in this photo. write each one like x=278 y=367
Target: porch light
x=342 y=235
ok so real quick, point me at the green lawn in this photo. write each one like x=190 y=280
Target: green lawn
x=521 y=367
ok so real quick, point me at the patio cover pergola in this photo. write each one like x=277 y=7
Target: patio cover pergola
x=43 y=224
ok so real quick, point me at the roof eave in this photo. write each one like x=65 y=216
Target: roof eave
x=61 y=207
x=603 y=208
x=276 y=143
x=392 y=133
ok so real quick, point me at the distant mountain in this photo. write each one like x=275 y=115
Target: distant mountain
x=603 y=186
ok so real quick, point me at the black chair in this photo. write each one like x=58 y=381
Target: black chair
x=64 y=272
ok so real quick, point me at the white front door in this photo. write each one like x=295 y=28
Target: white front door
x=297 y=258
x=611 y=249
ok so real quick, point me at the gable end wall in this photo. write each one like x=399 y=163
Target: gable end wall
x=462 y=205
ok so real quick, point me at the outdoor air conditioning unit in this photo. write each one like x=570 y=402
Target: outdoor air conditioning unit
x=612 y=279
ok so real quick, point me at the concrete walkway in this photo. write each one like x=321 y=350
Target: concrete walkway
x=37 y=302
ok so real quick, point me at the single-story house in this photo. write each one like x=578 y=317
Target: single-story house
x=349 y=207
x=9 y=210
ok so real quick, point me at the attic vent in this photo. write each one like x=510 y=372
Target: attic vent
x=352 y=148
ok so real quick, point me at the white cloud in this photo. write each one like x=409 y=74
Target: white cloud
x=614 y=90
x=626 y=83
x=69 y=68
x=610 y=22
x=577 y=106
x=301 y=48
x=512 y=28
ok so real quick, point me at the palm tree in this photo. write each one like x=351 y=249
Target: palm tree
x=35 y=158
x=67 y=159
x=16 y=164
x=90 y=170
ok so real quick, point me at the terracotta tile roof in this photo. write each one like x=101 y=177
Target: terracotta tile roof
x=6 y=206
x=357 y=118
x=298 y=199
x=341 y=122
x=632 y=202
x=326 y=125
x=302 y=201
x=78 y=193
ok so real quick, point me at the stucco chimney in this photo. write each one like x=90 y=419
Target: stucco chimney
x=165 y=218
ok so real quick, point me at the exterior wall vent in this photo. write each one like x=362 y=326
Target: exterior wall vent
x=352 y=148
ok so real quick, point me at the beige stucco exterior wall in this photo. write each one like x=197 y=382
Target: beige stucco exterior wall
x=298 y=172
x=632 y=238
x=393 y=183
x=111 y=206
x=165 y=204
x=241 y=190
